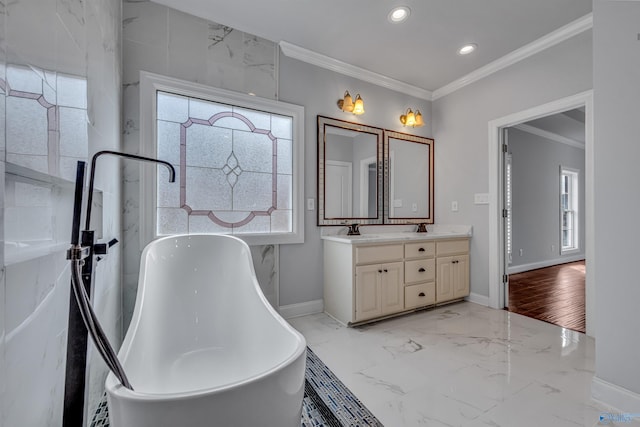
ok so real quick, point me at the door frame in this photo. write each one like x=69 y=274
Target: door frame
x=497 y=265
x=364 y=184
x=349 y=189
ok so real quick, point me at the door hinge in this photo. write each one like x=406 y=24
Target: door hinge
x=505 y=278
x=505 y=213
x=505 y=148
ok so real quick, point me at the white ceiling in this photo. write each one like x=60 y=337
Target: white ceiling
x=421 y=52
x=567 y=127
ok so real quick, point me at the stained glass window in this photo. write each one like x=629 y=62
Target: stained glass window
x=46 y=120
x=234 y=168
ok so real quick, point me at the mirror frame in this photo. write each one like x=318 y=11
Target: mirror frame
x=323 y=122
x=419 y=140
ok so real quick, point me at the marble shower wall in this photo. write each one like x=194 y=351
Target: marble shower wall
x=3 y=371
x=60 y=72
x=164 y=41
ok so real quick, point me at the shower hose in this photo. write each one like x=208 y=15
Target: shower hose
x=90 y=320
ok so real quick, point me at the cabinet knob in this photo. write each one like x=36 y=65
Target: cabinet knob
x=379 y=271
x=385 y=270
x=422 y=270
x=421 y=250
x=421 y=294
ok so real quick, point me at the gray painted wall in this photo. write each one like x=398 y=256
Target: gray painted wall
x=617 y=197
x=318 y=90
x=536 y=165
x=461 y=134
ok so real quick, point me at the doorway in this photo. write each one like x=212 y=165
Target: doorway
x=498 y=265
x=544 y=228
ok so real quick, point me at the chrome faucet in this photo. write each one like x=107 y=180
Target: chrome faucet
x=422 y=227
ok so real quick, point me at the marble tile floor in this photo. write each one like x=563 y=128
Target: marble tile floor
x=463 y=365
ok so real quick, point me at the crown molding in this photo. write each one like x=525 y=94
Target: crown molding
x=550 y=135
x=553 y=38
x=572 y=29
x=323 y=61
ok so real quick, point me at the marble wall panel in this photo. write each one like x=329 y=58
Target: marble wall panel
x=168 y=42
x=3 y=376
x=36 y=311
x=104 y=110
x=63 y=44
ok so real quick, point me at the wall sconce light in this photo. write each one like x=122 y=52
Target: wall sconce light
x=347 y=104
x=412 y=119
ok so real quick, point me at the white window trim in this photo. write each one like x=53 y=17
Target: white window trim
x=151 y=83
x=576 y=224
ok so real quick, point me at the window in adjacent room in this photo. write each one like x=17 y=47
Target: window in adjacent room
x=569 y=236
x=238 y=161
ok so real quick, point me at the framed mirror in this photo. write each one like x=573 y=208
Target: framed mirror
x=408 y=178
x=349 y=172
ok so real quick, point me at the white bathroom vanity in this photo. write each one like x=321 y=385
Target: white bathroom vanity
x=372 y=276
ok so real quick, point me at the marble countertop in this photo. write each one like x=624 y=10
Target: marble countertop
x=377 y=235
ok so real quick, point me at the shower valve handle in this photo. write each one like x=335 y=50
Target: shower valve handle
x=103 y=248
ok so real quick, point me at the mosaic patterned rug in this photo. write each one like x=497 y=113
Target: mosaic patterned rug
x=327 y=402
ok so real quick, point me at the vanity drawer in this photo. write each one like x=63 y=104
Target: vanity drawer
x=378 y=253
x=419 y=270
x=451 y=247
x=419 y=250
x=419 y=295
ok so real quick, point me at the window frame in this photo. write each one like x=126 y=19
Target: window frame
x=150 y=84
x=573 y=203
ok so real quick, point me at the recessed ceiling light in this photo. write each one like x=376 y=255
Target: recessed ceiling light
x=399 y=14
x=467 y=49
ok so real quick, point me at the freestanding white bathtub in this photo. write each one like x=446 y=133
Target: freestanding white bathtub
x=204 y=347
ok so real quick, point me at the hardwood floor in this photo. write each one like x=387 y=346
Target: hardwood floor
x=553 y=294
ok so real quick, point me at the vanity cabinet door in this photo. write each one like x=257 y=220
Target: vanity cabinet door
x=367 y=296
x=461 y=282
x=452 y=277
x=392 y=287
x=379 y=290
x=444 y=281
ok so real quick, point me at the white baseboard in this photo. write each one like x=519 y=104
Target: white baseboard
x=478 y=299
x=302 y=309
x=542 y=264
x=614 y=396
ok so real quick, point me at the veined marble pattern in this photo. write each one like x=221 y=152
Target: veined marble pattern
x=462 y=365
x=165 y=41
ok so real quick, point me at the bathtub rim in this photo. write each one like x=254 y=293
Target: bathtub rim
x=113 y=386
